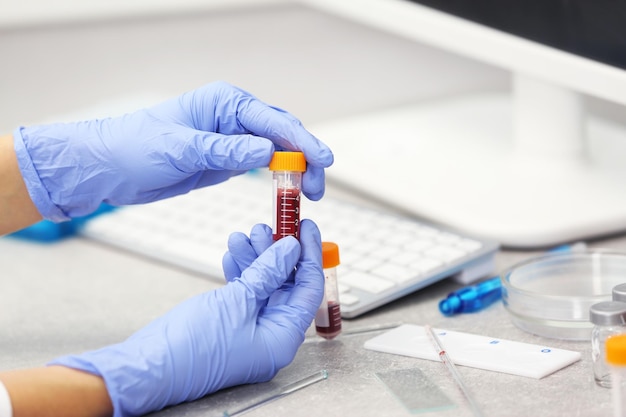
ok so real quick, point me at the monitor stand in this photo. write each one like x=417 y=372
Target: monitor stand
x=528 y=169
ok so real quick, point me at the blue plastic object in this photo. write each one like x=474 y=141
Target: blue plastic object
x=482 y=295
x=47 y=231
x=471 y=299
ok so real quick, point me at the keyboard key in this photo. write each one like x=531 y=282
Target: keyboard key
x=347 y=299
x=342 y=288
x=405 y=258
x=365 y=282
x=363 y=263
x=365 y=246
x=469 y=245
x=444 y=253
x=419 y=245
x=427 y=232
x=395 y=273
x=426 y=264
x=385 y=252
x=448 y=238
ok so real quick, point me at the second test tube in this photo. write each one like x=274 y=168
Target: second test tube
x=328 y=317
x=287 y=170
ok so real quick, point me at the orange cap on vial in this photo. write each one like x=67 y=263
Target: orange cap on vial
x=288 y=161
x=330 y=255
x=616 y=350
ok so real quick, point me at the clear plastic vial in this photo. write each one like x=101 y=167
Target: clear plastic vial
x=328 y=317
x=609 y=319
x=616 y=360
x=287 y=170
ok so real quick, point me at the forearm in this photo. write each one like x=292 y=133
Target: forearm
x=16 y=208
x=56 y=391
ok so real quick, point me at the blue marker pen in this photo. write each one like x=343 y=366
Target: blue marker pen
x=485 y=293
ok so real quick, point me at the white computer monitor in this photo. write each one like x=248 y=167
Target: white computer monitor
x=527 y=167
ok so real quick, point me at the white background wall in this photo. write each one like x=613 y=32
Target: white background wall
x=28 y=12
x=315 y=65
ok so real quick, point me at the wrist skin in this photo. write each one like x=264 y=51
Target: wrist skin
x=56 y=391
x=17 y=210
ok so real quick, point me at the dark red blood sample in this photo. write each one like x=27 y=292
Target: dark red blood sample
x=287 y=213
x=334 y=318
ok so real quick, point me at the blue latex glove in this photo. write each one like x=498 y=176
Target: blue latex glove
x=201 y=138
x=223 y=338
x=242 y=251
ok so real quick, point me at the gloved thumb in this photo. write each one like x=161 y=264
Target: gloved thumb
x=271 y=269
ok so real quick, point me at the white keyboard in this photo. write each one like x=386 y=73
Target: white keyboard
x=383 y=256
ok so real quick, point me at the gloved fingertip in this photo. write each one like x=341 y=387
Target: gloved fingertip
x=237 y=240
x=310 y=234
x=324 y=156
x=261 y=237
x=288 y=244
x=317 y=153
x=260 y=229
x=230 y=267
x=313 y=183
x=313 y=196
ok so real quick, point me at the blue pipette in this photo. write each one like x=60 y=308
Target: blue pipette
x=482 y=295
x=471 y=299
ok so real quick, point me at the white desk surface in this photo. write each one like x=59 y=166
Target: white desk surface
x=77 y=295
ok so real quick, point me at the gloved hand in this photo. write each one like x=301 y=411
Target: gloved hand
x=201 y=138
x=219 y=339
x=242 y=251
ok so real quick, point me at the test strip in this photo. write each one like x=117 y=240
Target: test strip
x=483 y=352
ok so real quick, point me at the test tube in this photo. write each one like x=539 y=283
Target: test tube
x=328 y=317
x=287 y=170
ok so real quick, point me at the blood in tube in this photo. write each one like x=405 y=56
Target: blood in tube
x=287 y=213
x=334 y=322
x=328 y=317
x=287 y=170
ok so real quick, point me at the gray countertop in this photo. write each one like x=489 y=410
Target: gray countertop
x=54 y=301
x=77 y=295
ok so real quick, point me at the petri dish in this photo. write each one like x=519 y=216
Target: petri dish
x=550 y=295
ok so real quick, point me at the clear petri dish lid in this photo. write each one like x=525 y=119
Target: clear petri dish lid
x=550 y=295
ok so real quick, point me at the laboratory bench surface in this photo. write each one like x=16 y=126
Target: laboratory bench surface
x=77 y=295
